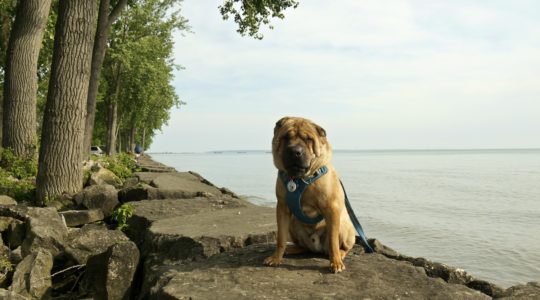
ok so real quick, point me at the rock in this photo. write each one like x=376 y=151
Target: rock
x=9 y=295
x=240 y=274
x=146 y=177
x=80 y=217
x=45 y=229
x=7 y=200
x=226 y=191
x=14 y=234
x=5 y=265
x=438 y=270
x=146 y=192
x=154 y=222
x=110 y=275
x=16 y=256
x=104 y=176
x=91 y=240
x=134 y=193
x=211 y=232
x=17 y=212
x=148 y=165
x=4 y=223
x=382 y=249
x=32 y=277
x=527 y=291
x=184 y=181
x=171 y=185
x=132 y=181
x=193 y=229
x=62 y=202
x=103 y=197
x=485 y=287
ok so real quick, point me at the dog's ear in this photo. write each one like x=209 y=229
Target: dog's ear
x=280 y=123
x=320 y=131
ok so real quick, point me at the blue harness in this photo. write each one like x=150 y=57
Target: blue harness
x=295 y=188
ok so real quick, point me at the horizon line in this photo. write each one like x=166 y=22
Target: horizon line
x=354 y=150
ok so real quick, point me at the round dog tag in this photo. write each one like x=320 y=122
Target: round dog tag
x=291 y=186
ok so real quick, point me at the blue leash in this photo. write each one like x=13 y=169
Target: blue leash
x=295 y=189
x=356 y=223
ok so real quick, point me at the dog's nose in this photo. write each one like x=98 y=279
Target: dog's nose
x=297 y=151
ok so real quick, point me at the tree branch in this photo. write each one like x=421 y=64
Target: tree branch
x=116 y=11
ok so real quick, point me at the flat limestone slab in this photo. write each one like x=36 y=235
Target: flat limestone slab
x=178 y=181
x=146 y=212
x=210 y=232
x=240 y=274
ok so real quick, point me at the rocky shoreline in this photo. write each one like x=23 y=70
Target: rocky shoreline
x=188 y=239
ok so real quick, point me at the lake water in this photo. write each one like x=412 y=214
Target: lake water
x=474 y=209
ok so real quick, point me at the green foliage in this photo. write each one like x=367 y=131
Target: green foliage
x=5 y=265
x=17 y=176
x=122 y=165
x=138 y=69
x=121 y=215
x=18 y=167
x=250 y=14
x=22 y=190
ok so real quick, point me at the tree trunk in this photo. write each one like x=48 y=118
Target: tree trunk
x=111 y=128
x=5 y=26
x=60 y=156
x=132 y=141
x=20 y=86
x=98 y=54
x=119 y=137
x=143 y=138
x=112 y=122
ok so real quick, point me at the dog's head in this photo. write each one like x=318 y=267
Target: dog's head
x=299 y=147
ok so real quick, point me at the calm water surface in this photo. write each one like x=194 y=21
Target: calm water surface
x=474 y=209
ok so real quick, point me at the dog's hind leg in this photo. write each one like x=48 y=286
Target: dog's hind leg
x=295 y=249
x=343 y=253
x=347 y=245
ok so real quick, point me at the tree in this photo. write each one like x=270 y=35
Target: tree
x=20 y=86
x=105 y=21
x=250 y=14
x=137 y=73
x=60 y=154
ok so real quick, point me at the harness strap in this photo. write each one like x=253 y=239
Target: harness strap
x=295 y=189
x=294 y=197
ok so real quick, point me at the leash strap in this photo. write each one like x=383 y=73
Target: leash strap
x=356 y=223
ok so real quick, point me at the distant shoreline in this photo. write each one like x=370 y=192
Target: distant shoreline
x=465 y=150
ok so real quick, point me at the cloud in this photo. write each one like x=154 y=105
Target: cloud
x=391 y=74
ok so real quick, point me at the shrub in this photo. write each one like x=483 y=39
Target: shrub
x=17 y=176
x=121 y=215
x=19 y=167
x=122 y=165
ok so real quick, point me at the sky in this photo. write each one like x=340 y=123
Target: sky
x=388 y=74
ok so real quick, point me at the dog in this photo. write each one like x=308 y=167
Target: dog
x=300 y=149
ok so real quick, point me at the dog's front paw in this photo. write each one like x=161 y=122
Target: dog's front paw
x=272 y=260
x=337 y=265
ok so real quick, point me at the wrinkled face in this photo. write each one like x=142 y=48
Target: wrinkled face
x=299 y=146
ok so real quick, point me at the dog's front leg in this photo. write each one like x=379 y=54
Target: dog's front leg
x=283 y=219
x=333 y=225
